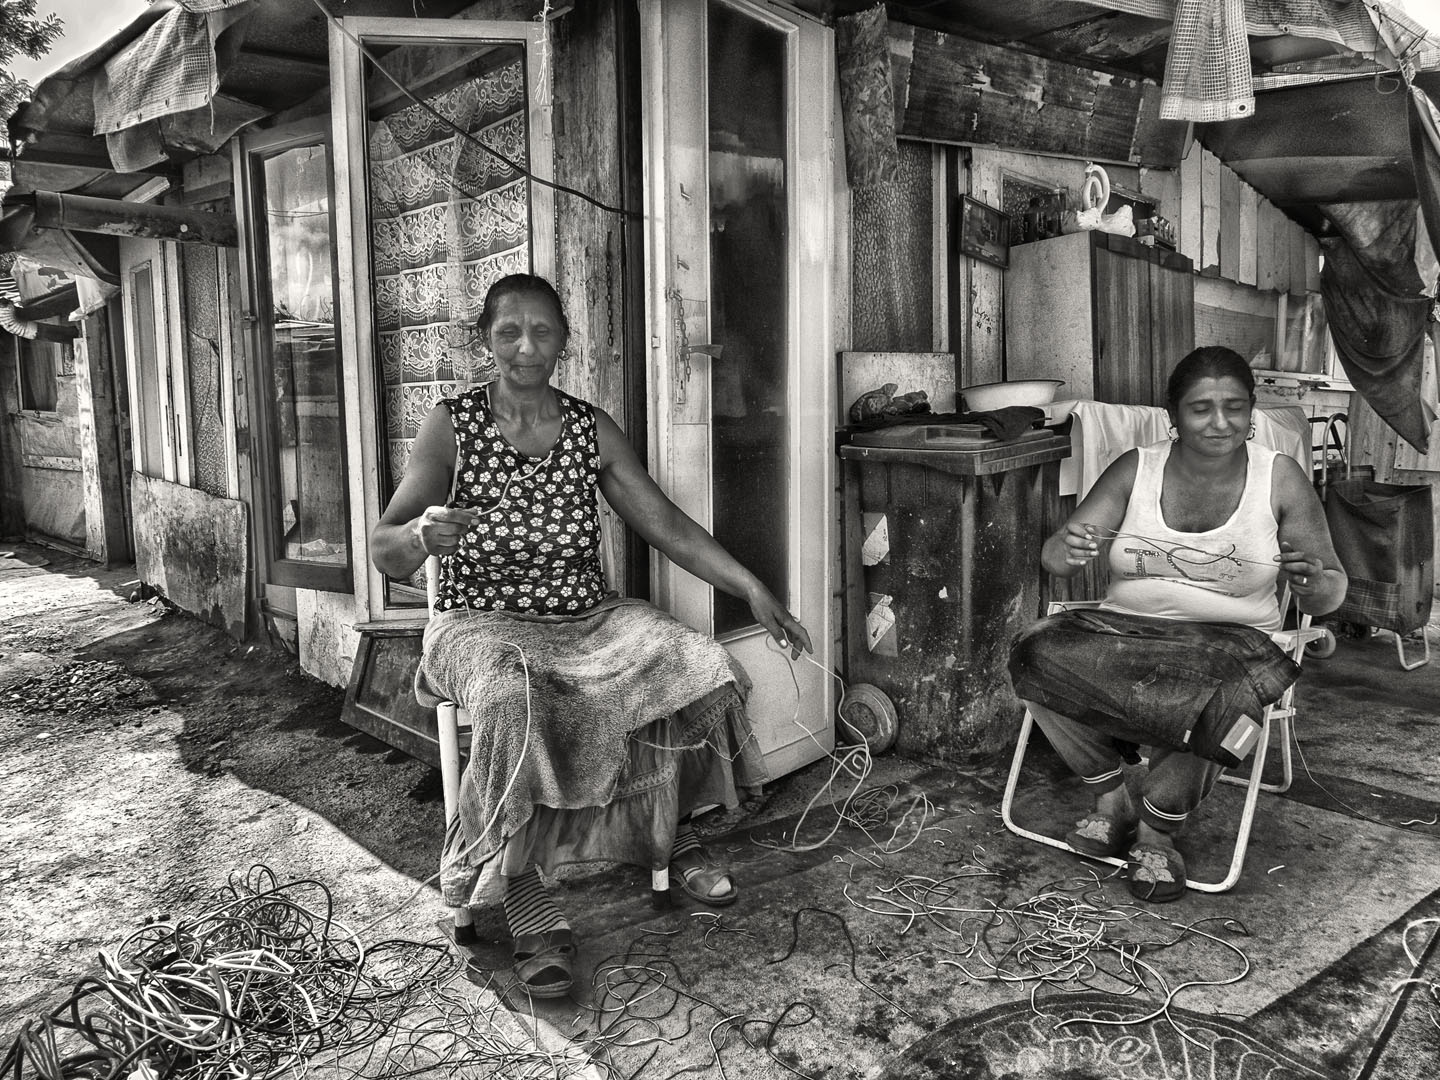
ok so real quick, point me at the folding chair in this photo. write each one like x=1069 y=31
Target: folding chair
x=1278 y=715
x=453 y=732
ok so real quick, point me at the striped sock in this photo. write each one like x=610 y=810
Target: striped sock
x=685 y=841
x=528 y=907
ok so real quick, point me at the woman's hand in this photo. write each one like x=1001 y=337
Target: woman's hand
x=1081 y=547
x=1305 y=572
x=439 y=529
x=779 y=623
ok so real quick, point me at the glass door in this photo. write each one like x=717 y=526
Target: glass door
x=158 y=445
x=303 y=520
x=738 y=101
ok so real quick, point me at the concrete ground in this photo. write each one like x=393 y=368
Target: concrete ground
x=914 y=937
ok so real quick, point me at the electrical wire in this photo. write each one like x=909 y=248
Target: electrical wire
x=465 y=135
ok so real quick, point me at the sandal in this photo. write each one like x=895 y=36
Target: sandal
x=542 y=963
x=698 y=881
x=1156 y=873
x=1100 y=835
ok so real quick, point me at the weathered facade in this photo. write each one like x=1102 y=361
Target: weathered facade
x=296 y=283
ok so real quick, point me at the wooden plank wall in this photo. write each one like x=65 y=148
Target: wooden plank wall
x=951 y=89
x=1230 y=231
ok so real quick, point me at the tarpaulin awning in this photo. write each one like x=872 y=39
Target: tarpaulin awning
x=1377 y=281
x=160 y=90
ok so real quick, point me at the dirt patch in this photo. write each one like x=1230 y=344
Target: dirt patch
x=145 y=758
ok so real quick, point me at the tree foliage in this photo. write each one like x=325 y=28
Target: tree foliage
x=22 y=32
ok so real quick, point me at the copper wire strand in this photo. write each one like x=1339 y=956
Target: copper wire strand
x=266 y=982
x=1172 y=550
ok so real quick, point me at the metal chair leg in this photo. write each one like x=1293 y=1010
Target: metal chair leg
x=1400 y=650
x=447 y=720
x=1242 y=838
x=1007 y=802
x=660 y=888
x=1247 y=818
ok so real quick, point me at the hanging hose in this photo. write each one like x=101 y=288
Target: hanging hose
x=17 y=326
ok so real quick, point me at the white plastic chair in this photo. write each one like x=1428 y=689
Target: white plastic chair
x=453 y=731
x=1277 y=715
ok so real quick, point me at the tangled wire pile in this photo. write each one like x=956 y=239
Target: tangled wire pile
x=266 y=982
x=1069 y=936
x=644 y=1001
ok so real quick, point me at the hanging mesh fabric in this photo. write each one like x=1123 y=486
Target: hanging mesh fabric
x=1207 y=72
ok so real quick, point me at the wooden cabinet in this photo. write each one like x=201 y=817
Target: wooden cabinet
x=1108 y=315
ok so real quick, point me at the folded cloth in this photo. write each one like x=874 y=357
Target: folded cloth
x=1008 y=423
x=574 y=714
x=1159 y=682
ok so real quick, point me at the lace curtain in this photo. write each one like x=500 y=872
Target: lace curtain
x=447 y=219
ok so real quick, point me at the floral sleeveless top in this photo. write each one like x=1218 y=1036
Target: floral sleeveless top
x=535 y=548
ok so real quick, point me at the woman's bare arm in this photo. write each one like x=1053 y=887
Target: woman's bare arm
x=417 y=523
x=635 y=496
x=1072 y=547
x=1307 y=554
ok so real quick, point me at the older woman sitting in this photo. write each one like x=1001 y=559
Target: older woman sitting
x=601 y=723
x=1198 y=531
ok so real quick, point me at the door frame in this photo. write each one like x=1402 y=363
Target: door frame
x=675 y=157
x=354 y=315
x=271 y=563
x=169 y=372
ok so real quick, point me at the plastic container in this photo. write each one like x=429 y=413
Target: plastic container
x=987 y=397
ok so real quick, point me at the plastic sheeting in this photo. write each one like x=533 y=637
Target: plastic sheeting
x=160 y=91
x=1207 y=71
x=1375 y=283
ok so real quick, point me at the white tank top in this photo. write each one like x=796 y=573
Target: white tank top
x=1226 y=574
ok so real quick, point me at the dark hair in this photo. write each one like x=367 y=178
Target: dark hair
x=1207 y=362
x=519 y=285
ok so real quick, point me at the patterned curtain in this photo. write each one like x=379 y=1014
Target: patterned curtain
x=447 y=219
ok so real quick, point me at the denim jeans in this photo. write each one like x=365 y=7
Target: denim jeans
x=1174 y=785
x=1180 y=685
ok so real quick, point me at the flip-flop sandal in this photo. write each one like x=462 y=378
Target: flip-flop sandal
x=1100 y=835
x=698 y=881
x=542 y=963
x=1155 y=873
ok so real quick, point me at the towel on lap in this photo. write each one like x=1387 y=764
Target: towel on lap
x=561 y=734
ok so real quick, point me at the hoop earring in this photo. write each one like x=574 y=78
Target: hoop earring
x=1252 y=431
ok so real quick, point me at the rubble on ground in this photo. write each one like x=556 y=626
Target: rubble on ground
x=81 y=686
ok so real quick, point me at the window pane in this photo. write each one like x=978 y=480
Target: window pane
x=309 y=520
x=749 y=229
x=147 y=370
x=447 y=218
x=39 y=365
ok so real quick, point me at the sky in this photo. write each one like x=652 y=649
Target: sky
x=87 y=24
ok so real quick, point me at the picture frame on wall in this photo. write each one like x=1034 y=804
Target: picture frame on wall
x=984 y=232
